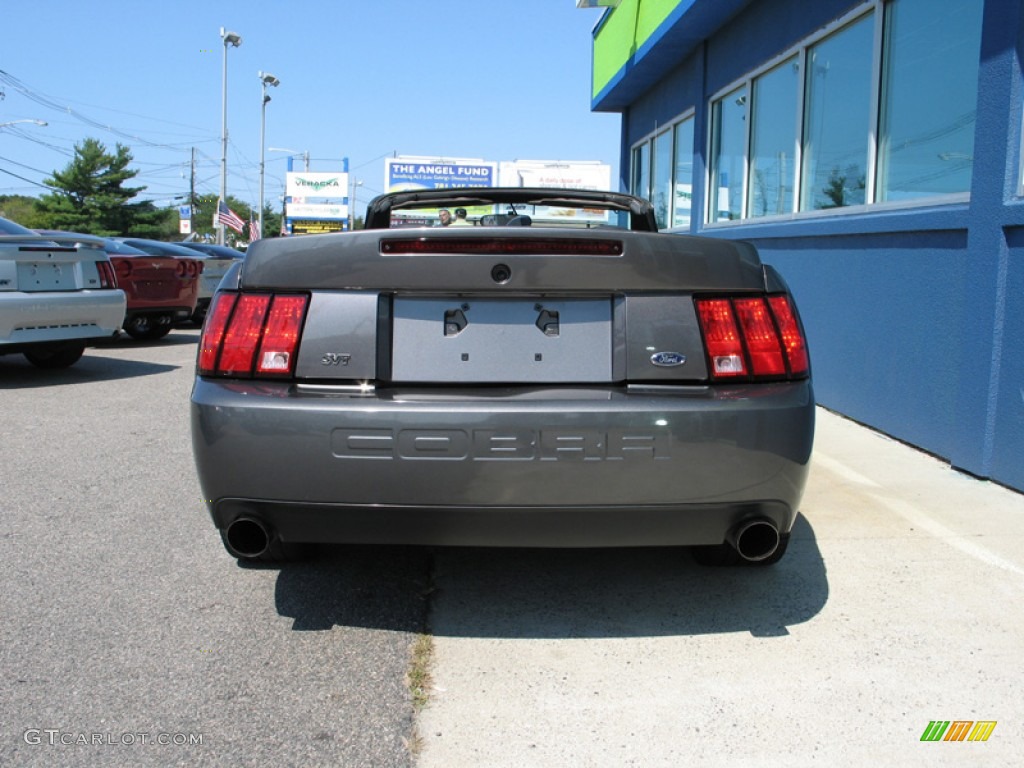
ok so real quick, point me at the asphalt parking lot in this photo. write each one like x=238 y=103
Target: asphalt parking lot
x=125 y=623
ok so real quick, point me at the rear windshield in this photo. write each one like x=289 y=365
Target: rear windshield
x=509 y=216
x=10 y=228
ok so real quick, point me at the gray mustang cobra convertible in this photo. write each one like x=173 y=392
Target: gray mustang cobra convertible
x=552 y=373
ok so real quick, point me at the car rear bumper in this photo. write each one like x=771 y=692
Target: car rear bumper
x=595 y=466
x=52 y=316
x=175 y=313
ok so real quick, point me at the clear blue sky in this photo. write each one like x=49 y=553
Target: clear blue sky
x=459 y=78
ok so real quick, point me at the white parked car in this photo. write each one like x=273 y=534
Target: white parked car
x=55 y=300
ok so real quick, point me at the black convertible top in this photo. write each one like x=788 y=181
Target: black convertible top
x=641 y=212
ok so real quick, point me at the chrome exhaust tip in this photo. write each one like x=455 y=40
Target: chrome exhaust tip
x=247 y=538
x=755 y=539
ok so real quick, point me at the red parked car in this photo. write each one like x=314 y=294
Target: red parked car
x=161 y=290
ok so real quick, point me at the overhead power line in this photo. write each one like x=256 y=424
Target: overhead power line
x=43 y=100
x=29 y=181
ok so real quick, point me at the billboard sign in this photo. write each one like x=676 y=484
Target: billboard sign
x=589 y=175
x=329 y=185
x=564 y=175
x=316 y=211
x=316 y=226
x=408 y=173
x=404 y=174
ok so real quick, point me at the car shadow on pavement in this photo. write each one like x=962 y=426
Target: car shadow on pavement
x=17 y=373
x=177 y=337
x=356 y=586
x=552 y=593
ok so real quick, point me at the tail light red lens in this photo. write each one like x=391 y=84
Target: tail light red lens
x=281 y=335
x=793 y=341
x=106 y=273
x=124 y=268
x=721 y=338
x=252 y=334
x=242 y=336
x=189 y=268
x=761 y=337
x=753 y=337
x=213 y=331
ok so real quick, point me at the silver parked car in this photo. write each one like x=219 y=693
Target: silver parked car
x=55 y=299
x=556 y=373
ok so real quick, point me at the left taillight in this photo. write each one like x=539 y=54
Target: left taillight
x=106 y=272
x=252 y=335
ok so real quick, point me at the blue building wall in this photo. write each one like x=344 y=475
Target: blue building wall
x=915 y=316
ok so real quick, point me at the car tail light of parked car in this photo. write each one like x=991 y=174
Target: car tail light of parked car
x=252 y=334
x=106 y=273
x=188 y=268
x=752 y=338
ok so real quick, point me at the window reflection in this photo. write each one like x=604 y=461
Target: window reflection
x=927 y=138
x=661 y=189
x=641 y=182
x=773 y=140
x=728 y=119
x=683 y=177
x=836 y=122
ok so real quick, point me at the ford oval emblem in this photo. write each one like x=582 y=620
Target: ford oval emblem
x=667 y=359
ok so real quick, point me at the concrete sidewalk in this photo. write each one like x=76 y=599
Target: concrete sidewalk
x=897 y=604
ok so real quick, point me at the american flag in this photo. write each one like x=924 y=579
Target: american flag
x=228 y=217
x=254 y=230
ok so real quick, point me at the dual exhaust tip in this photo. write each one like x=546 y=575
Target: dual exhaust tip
x=755 y=540
x=248 y=538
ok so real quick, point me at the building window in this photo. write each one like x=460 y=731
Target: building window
x=728 y=155
x=879 y=108
x=837 y=119
x=662 y=172
x=926 y=136
x=773 y=140
x=641 y=178
x=661 y=177
x=682 y=177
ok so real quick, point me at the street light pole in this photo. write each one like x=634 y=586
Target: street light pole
x=296 y=153
x=353 y=183
x=229 y=38
x=265 y=79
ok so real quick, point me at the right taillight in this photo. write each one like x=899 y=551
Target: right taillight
x=252 y=334
x=189 y=268
x=106 y=273
x=752 y=338
x=793 y=342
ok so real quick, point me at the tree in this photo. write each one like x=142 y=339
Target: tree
x=89 y=196
x=838 y=194
x=20 y=209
